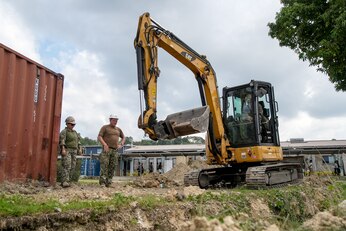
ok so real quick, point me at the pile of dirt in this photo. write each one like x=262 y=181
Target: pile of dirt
x=202 y=223
x=259 y=208
x=199 y=164
x=317 y=181
x=153 y=180
x=177 y=173
x=328 y=220
x=228 y=224
x=26 y=188
x=174 y=177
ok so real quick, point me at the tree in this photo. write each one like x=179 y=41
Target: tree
x=316 y=31
x=129 y=140
x=196 y=140
x=178 y=140
x=88 y=141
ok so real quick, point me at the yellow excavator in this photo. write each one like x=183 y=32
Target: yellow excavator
x=242 y=138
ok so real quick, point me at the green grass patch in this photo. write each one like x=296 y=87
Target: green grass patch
x=151 y=201
x=88 y=181
x=19 y=205
x=232 y=203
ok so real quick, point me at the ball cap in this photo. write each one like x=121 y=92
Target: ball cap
x=113 y=116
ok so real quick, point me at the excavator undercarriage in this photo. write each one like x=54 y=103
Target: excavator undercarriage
x=261 y=176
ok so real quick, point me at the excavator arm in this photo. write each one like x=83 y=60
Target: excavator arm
x=150 y=36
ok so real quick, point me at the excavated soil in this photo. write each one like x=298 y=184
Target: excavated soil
x=177 y=213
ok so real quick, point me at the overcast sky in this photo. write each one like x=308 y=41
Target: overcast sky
x=91 y=44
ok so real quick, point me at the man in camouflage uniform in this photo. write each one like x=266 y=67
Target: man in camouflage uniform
x=109 y=137
x=69 y=141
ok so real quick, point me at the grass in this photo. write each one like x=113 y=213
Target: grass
x=19 y=205
x=151 y=201
x=88 y=181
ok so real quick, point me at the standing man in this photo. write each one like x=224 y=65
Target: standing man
x=337 y=170
x=151 y=167
x=109 y=137
x=69 y=141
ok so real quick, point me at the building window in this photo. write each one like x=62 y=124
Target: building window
x=328 y=159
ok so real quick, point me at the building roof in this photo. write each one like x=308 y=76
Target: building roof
x=300 y=147
x=167 y=148
x=314 y=147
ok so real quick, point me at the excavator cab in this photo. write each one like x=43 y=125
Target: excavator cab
x=250 y=115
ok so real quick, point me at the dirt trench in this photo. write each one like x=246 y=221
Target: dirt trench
x=175 y=207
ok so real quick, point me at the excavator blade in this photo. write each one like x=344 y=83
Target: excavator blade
x=183 y=123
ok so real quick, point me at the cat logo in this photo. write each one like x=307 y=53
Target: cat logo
x=188 y=56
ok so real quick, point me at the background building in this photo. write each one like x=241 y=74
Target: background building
x=163 y=158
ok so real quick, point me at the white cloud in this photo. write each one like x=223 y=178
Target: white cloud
x=87 y=93
x=310 y=128
x=15 y=34
x=90 y=95
x=92 y=45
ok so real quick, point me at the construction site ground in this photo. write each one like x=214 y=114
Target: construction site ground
x=161 y=202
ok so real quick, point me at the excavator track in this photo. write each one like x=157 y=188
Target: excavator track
x=274 y=175
x=228 y=177
x=257 y=177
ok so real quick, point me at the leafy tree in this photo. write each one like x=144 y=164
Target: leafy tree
x=196 y=140
x=88 y=141
x=129 y=140
x=178 y=140
x=316 y=31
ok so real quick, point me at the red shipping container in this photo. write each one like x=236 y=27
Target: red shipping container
x=30 y=114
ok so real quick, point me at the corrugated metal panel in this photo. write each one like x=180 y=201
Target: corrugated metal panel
x=30 y=113
x=90 y=167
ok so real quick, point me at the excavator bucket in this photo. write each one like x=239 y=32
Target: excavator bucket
x=184 y=123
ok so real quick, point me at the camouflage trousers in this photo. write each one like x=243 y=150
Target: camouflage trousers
x=68 y=163
x=108 y=165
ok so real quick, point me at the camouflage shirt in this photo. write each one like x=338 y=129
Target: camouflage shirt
x=69 y=139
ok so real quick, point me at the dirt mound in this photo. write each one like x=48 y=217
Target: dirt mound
x=317 y=181
x=199 y=164
x=177 y=173
x=325 y=221
x=228 y=224
x=328 y=220
x=27 y=188
x=202 y=223
x=259 y=208
x=152 y=180
x=193 y=190
x=174 y=177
